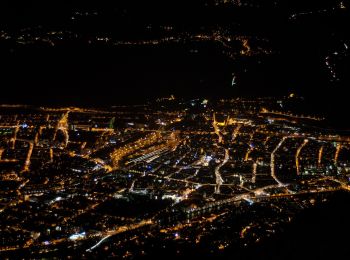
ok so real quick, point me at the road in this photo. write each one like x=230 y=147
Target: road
x=219 y=180
x=119 y=230
x=272 y=163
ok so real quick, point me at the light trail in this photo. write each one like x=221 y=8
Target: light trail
x=320 y=153
x=267 y=139
x=132 y=186
x=255 y=166
x=272 y=163
x=36 y=138
x=247 y=50
x=99 y=243
x=337 y=151
x=216 y=129
x=38 y=134
x=219 y=180
x=236 y=132
x=120 y=230
x=343 y=184
x=265 y=111
x=29 y=155
x=63 y=126
x=15 y=135
x=51 y=155
x=297 y=162
x=246 y=157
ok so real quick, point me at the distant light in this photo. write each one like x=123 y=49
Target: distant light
x=233 y=80
x=77 y=236
x=249 y=201
x=24 y=125
x=208 y=158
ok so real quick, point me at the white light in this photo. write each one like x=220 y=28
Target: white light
x=77 y=236
x=208 y=158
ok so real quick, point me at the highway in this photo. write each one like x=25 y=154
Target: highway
x=219 y=180
x=272 y=163
x=119 y=230
x=297 y=164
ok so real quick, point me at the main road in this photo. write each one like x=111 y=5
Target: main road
x=219 y=180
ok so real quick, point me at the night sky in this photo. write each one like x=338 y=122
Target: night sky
x=83 y=74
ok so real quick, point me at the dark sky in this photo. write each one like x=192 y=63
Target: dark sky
x=79 y=73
